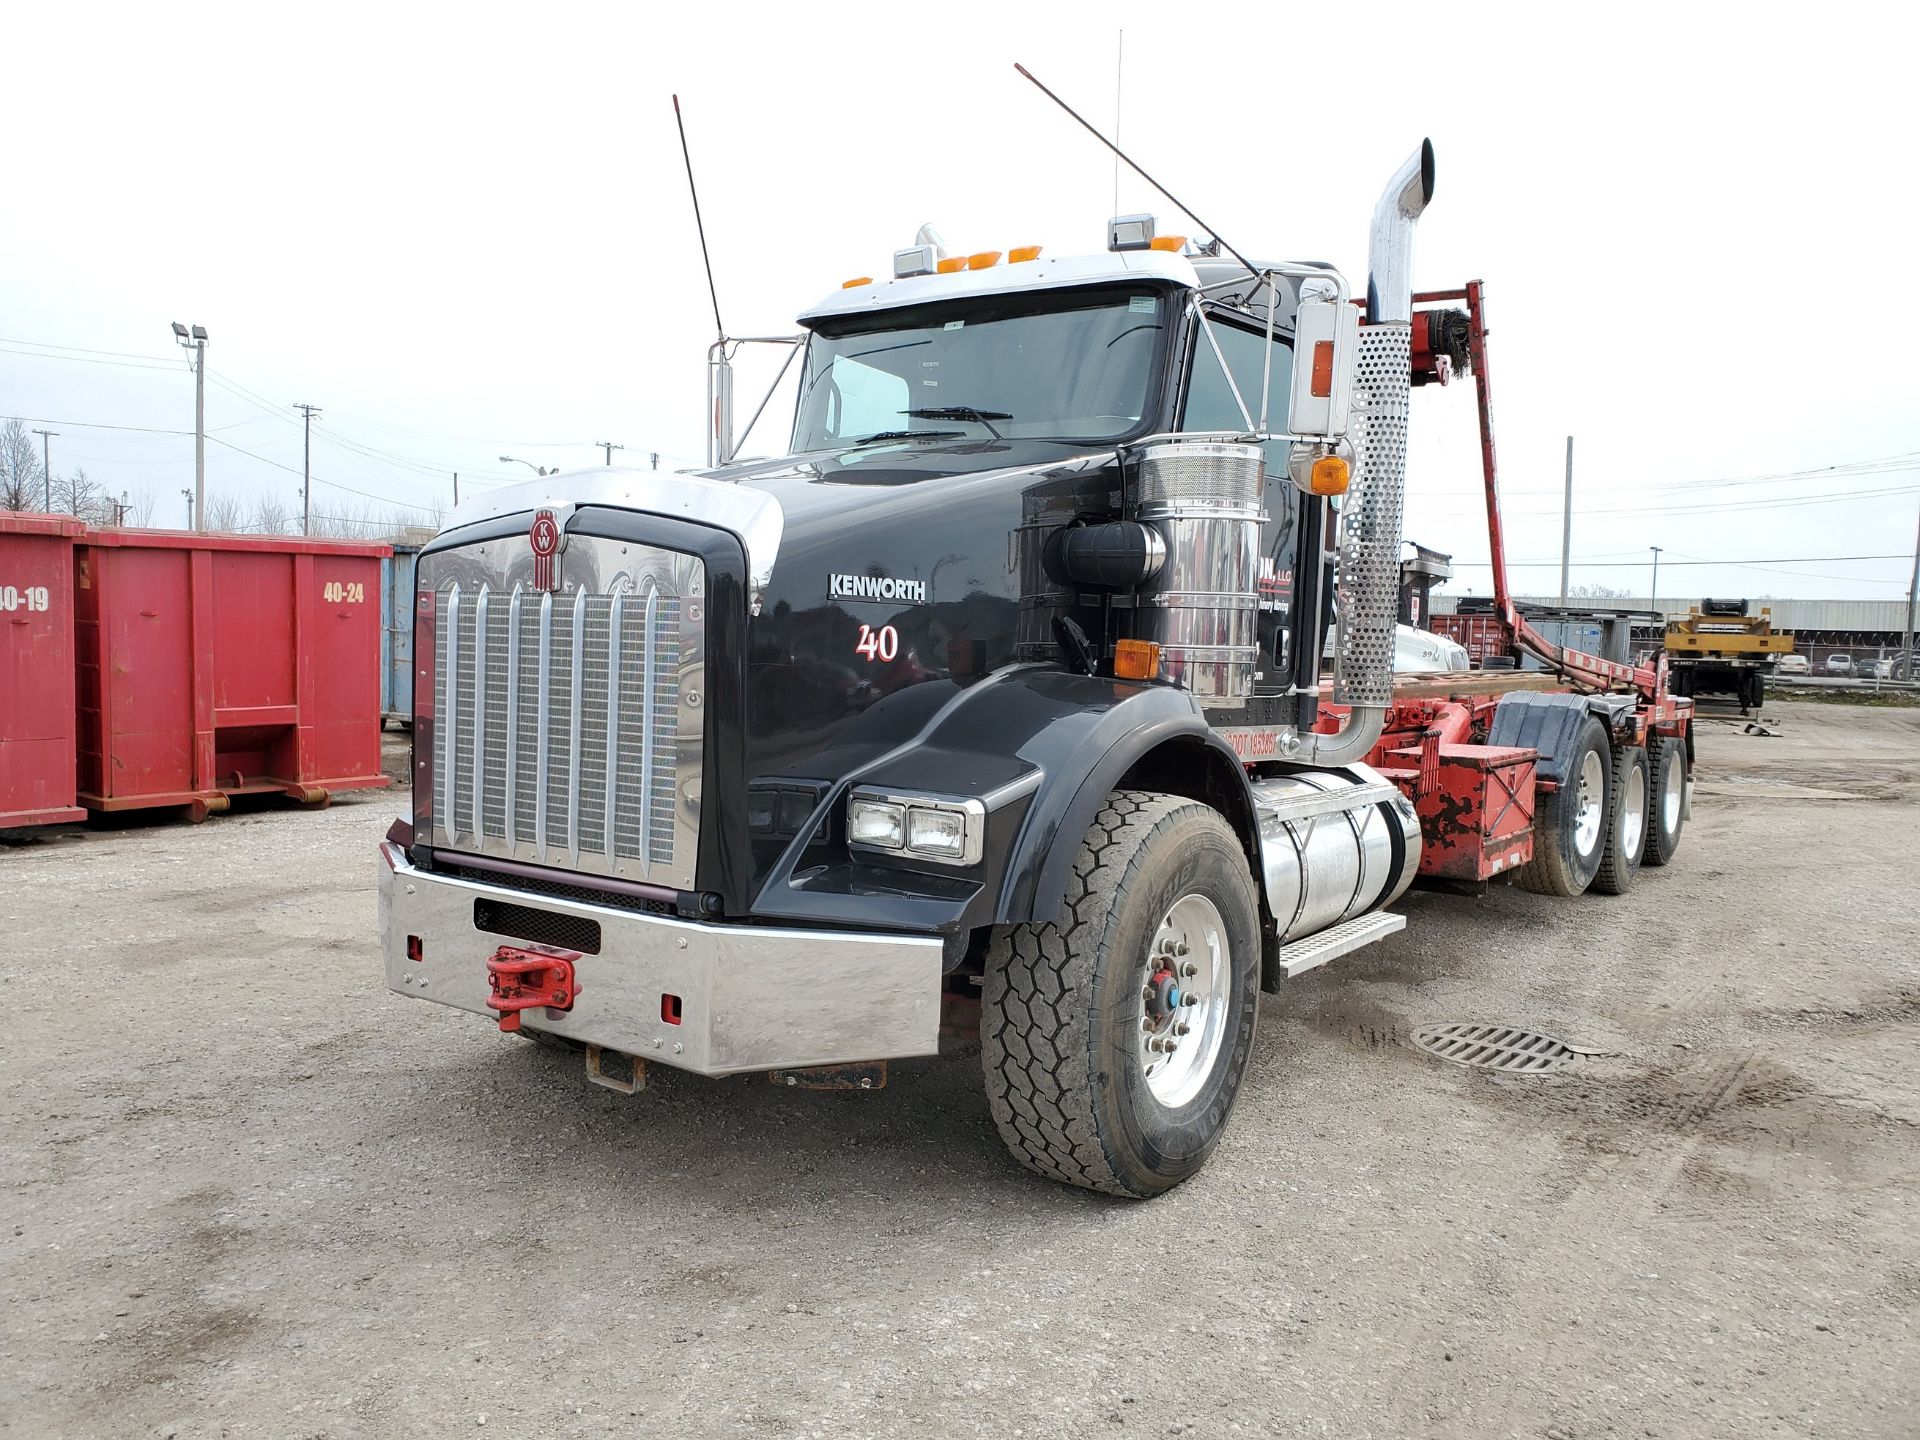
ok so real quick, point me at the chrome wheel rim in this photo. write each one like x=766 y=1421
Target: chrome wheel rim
x=1592 y=795
x=1671 y=794
x=1633 y=823
x=1183 y=1001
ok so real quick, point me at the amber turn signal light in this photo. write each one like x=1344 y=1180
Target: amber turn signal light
x=1136 y=660
x=985 y=260
x=1330 y=476
x=952 y=263
x=1020 y=254
x=1175 y=243
x=856 y=281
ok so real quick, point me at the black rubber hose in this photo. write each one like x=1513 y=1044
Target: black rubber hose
x=1115 y=556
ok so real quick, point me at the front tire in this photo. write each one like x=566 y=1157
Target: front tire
x=1115 y=1040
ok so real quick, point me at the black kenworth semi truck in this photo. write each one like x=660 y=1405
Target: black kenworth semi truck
x=1003 y=685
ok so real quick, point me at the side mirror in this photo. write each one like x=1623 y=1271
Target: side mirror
x=1326 y=342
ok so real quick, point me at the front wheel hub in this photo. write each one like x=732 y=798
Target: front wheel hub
x=1184 y=1001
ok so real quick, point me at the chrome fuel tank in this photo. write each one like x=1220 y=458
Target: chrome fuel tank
x=1333 y=844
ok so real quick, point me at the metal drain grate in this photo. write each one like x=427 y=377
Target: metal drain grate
x=1495 y=1047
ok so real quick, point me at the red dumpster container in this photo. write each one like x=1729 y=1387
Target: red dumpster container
x=36 y=669
x=218 y=665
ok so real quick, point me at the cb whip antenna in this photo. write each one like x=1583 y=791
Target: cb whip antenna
x=700 y=225
x=1251 y=268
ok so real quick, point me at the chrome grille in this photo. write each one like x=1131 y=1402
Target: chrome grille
x=568 y=725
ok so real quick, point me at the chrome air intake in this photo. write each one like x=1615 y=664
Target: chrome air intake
x=1202 y=498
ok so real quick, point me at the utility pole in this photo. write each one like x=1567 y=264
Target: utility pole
x=1566 y=528
x=306 y=469
x=656 y=458
x=456 y=489
x=194 y=341
x=1913 y=595
x=1653 y=601
x=46 y=469
x=609 y=447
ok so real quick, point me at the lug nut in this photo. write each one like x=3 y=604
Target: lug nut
x=1189 y=970
x=1183 y=1029
x=1181 y=948
x=1189 y=999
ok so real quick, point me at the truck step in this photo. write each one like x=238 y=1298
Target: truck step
x=1279 y=805
x=1344 y=938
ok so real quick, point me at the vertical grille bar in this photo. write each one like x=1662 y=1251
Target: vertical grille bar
x=450 y=712
x=480 y=713
x=511 y=828
x=541 y=719
x=577 y=672
x=607 y=815
x=650 y=648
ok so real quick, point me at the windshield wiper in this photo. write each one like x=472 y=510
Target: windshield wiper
x=963 y=412
x=907 y=435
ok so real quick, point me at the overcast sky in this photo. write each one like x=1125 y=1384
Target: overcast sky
x=464 y=231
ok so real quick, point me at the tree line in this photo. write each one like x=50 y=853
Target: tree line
x=24 y=486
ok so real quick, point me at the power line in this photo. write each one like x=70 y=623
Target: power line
x=88 y=359
x=93 y=425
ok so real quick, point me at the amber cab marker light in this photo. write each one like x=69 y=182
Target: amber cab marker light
x=1175 y=243
x=952 y=263
x=1329 y=476
x=856 y=281
x=985 y=260
x=1019 y=254
x=1136 y=659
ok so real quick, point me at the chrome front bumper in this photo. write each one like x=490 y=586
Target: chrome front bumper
x=751 y=997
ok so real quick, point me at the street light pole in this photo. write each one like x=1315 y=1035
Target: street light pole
x=1913 y=599
x=1653 y=600
x=46 y=470
x=189 y=495
x=516 y=460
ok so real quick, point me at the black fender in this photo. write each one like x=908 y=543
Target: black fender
x=1103 y=731
x=1549 y=722
x=1043 y=748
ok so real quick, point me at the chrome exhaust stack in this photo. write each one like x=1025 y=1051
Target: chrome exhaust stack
x=1367 y=579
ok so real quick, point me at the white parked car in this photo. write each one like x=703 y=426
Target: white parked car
x=1839 y=664
x=1793 y=665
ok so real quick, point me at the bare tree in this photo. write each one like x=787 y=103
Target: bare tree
x=80 y=496
x=20 y=484
x=271 y=515
x=226 y=515
x=1596 y=591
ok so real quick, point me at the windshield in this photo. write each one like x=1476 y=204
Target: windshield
x=1075 y=365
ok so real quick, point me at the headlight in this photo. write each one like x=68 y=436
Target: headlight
x=876 y=824
x=927 y=827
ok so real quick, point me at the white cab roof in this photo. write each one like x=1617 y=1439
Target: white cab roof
x=1007 y=279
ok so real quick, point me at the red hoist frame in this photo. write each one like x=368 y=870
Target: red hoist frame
x=1475 y=800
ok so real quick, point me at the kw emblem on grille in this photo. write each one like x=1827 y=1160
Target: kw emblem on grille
x=544 y=537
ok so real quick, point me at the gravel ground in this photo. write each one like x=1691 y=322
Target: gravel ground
x=252 y=1193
